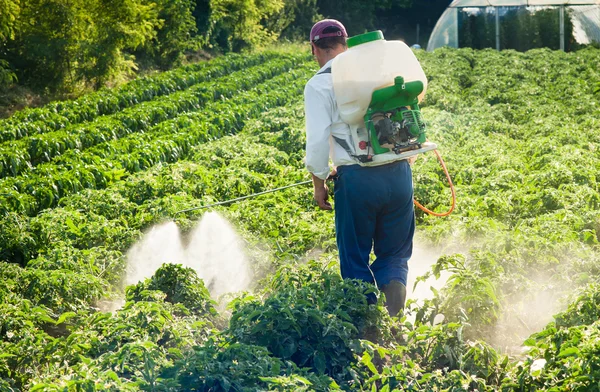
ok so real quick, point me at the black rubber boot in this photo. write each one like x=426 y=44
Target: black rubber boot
x=395 y=296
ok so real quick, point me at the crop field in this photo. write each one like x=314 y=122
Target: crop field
x=516 y=306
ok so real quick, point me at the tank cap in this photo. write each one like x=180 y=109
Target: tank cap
x=364 y=38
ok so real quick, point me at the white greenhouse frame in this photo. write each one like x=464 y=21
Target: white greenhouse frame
x=446 y=30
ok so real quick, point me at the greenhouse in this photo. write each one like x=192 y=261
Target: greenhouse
x=518 y=24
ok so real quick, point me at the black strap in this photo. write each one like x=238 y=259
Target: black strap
x=361 y=158
x=344 y=145
x=325 y=71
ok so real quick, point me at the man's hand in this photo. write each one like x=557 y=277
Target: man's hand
x=321 y=193
x=333 y=173
x=321 y=196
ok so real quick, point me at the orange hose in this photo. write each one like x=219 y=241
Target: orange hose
x=451 y=189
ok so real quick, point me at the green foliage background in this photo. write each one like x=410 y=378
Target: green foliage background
x=62 y=47
x=82 y=180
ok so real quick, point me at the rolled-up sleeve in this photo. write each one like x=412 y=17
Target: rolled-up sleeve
x=317 y=110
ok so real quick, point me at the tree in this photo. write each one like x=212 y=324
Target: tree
x=59 y=44
x=295 y=19
x=236 y=24
x=8 y=19
x=357 y=16
x=175 y=31
x=119 y=27
x=46 y=46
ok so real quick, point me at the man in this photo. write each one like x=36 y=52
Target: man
x=373 y=205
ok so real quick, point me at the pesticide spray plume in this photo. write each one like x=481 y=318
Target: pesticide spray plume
x=217 y=254
x=161 y=244
x=532 y=305
x=524 y=309
x=421 y=261
x=424 y=257
x=214 y=250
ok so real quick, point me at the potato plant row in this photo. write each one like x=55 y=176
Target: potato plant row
x=170 y=141
x=81 y=253
x=96 y=225
x=21 y=155
x=526 y=228
x=58 y=115
x=266 y=154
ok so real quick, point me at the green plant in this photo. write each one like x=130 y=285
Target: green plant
x=180 y=285
x=312 y=317
x=526 y=227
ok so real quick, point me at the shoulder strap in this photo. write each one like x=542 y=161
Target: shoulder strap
x=325 y=71
x=344 y=145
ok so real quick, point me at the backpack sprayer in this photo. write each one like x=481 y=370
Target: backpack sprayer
x=396 y=129
x=385 y=123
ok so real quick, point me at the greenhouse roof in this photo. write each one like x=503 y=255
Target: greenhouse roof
x=516 y=3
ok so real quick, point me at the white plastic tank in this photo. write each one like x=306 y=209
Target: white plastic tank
x=370 y=63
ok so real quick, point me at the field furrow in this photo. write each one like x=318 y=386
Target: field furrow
x=59 y=115
x=171 y=141
x=264 y=155
x=19 y=156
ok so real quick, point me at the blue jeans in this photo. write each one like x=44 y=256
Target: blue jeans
x=374 y=209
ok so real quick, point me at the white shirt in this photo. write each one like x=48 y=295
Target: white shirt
x=322 y=122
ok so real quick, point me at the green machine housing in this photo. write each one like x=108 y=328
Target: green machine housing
x=393 y=119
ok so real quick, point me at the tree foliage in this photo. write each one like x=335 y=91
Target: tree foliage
x=58 y=45
x=8 y=18
x=177 y=25
x=358 y=16
x=295 y=19
x=236 y=24
x=61 y=46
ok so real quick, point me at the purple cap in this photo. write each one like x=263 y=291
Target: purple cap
x=316 y=33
